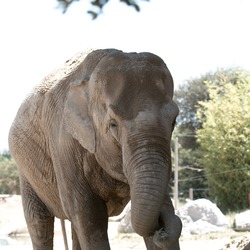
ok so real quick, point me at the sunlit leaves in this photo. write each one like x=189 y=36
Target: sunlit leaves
x=9 y=181
x=225 y=139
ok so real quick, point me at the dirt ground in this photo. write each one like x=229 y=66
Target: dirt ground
x=11 y=215
x=213 y=241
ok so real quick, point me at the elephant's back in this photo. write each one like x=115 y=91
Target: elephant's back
x=43 y=104
x=62 y=74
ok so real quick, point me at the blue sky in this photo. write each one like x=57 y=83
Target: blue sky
x=192 y=36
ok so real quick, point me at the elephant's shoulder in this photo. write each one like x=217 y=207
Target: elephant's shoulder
x=61 y=75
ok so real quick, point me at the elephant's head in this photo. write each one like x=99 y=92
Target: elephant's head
x=120 y=108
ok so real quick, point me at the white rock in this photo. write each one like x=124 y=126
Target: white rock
x=198 y=217
x=125 y=225
x=242 y=221
x=239 y=243
x=202 y=216
x=203 y=227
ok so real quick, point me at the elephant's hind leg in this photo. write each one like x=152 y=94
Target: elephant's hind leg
x=39 y=221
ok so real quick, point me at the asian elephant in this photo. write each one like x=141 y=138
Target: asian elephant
x=93 y=135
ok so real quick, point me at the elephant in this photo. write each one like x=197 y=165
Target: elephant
x=91 y=136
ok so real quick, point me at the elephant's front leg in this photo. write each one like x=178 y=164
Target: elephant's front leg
x=90 y=225
x=168 y=230
x=82 y=206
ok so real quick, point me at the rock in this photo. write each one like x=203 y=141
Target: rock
x=202 y=216
x=125 y=225
x=203 y=227
x=198 y=217
x=240 y=243
x=242 y=221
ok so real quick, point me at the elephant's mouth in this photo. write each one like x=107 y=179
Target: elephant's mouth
x=160 y=237
x=167 y=235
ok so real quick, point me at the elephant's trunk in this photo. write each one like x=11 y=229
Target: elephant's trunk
x=148 y=178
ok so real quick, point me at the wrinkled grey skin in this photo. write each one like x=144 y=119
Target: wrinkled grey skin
x=92 y=136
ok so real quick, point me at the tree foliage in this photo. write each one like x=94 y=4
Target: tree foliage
x=191 y=173
x=193 y=91
x=188 y=96
x=9 y=181
x=225 y=140
x=97 y=5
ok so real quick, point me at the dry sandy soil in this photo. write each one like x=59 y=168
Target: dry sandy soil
x=11 y=214
x=214 y=241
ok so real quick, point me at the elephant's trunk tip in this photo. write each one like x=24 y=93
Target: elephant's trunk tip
x=169 y=237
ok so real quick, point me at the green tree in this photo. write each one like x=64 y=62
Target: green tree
x=187 y=97
x=97 y=5
x=225 y=140
x=193 y=91
x=9 y=181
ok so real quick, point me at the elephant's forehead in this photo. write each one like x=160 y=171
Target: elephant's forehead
x=129 y=80
x=120 y=58
x=142 y=71
x=127 y=88
x=132 y=85
x=127 y=102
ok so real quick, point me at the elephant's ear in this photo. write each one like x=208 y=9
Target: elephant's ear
x=77 y=120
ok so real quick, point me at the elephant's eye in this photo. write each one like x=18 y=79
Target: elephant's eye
x=113 y=127
x=113 y=124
